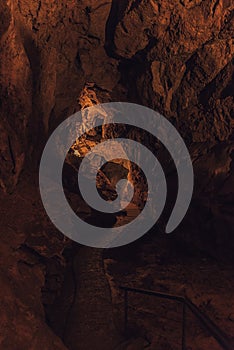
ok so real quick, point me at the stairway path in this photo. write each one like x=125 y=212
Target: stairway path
x=91 y=324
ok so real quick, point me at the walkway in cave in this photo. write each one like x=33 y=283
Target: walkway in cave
x=91 y=324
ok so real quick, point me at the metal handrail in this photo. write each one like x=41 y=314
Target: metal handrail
x=210 y=326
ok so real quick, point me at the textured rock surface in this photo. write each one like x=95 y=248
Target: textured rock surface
x=56 y=57
x=26 y=259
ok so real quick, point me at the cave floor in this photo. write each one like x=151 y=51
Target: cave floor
x=154 y=262
x=168 y=265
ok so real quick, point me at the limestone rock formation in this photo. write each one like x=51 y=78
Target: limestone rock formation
x=59 y=56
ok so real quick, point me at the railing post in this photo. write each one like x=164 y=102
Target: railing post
x=125 y=310
x=184 y=327
x=217 y=334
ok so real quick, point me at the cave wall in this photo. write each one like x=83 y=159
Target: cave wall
x=57 y=57
x=176 y=58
